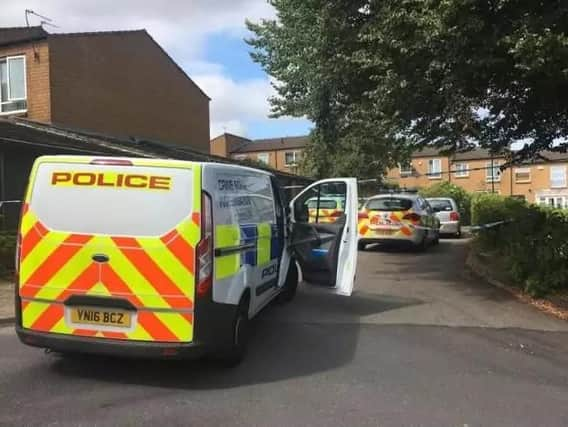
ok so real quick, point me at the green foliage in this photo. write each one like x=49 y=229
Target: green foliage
x=7 y=252
x=379 y=78
x=533 y=246
x=447 y=189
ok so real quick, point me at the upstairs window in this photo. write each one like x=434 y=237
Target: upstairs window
x=493 y=171
x=522 y=175
x=435 y=168
x=461 y=170
x=406 y=169
x=263 y=157
x=291 y=158
x=13 y=84
x=557 y=176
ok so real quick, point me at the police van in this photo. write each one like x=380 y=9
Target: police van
x=166 y=258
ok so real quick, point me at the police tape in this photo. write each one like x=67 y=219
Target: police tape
x=471 y=228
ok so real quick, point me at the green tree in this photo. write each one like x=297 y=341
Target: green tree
x=380 y=78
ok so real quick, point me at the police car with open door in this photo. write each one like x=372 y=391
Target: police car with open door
x=166 y=258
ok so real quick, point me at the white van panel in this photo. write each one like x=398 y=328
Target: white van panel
x=111 y=210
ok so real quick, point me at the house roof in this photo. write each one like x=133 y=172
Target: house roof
x=14 y=35
x=72 y=141
x=271 y=144
x=477 y=154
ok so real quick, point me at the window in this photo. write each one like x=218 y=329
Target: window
x=291 y=158
x=406 y=169
x=560 y=202
x=389 y=204
x=492 y=171
x=461 y=170
x=263 y=157
x=311 y=205
x=434 y=168
x=239 y=157
x=557 y=176
x=522 y=175
x=12 y=84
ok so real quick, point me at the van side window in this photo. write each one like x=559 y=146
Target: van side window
x=324 y=203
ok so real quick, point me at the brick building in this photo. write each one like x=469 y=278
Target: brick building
x=282 y=154
x=119 y=83
x=543 y=181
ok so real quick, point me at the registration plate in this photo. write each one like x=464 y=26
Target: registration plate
x=101 y=317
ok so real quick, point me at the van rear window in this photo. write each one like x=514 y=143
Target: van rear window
x=389 y=204
x=323 y=204
x=111 y=200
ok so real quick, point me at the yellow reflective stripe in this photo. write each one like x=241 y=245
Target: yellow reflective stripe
x=263 y=243
x=32 y=312
x=66 y=274
x=190 y=232
x=140 y=334
x=61 y=327
x=28 y=221
x=99 y=290
x=169 y=264
x=227 y=236
x=39 y=254
x=135 y=281
x=177 y=324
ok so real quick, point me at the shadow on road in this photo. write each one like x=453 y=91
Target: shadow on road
x=316 y=333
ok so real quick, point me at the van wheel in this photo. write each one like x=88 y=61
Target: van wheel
x=236 y=350
x=290 y=285
x=361 y=246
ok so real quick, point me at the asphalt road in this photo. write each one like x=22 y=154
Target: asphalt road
x=419 y=344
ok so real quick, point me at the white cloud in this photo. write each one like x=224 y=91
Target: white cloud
x=181 y=27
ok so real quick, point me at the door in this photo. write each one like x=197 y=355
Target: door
x=326 y=246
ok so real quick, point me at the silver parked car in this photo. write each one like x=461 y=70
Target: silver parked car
x=447 y=211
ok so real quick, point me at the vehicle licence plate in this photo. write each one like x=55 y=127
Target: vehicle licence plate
x=101 y=317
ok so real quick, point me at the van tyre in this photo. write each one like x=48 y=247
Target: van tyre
x=235 y=352
x=290 y=285
x=361 y=246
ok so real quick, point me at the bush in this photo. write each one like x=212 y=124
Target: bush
x=533 y=246
x=447 y=189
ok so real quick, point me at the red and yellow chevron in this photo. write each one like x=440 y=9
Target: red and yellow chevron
x=393 y=226
x=325 y=216
x=155 y=274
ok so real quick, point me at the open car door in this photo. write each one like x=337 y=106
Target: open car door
x=324 y=233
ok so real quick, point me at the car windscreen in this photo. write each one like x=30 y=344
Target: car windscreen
x=389 y=204
x=111 y=200
x=440 y=205
x=323 y=204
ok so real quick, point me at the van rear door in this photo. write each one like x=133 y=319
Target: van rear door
x=107 y=248
x=326 y=251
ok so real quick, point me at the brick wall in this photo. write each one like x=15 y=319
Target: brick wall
x=37 y=77
x=124 y=84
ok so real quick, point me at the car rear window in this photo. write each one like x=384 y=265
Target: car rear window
x=440 y=205
x=100 y=199
x=389 y=204
x=323 y=204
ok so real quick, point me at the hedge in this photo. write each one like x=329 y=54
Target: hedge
x=447 y=189
x=533 y=245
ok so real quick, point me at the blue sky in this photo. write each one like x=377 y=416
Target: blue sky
x=204 y=37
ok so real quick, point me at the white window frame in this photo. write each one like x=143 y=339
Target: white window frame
x=563 y=169
x=433 y=174
x=461 y=172
x=406 y=172
x=546 y=201
x=522 y=170
x=489 y=176
x=10 y=99
x=264 y=155
x=295 y=154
